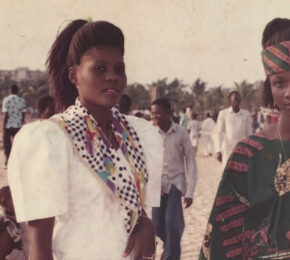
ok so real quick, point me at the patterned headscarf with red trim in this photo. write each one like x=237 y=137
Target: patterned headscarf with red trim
x=276 y=58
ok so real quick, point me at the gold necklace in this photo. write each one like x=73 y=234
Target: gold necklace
x=282 y=176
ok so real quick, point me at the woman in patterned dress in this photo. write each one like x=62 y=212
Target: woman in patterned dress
x=80 y=178
x=250 y=218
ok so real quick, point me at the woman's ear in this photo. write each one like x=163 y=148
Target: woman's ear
x=72 y=75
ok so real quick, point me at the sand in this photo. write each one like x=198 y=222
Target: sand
x=209 y=174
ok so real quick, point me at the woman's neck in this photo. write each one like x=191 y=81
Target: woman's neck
x=283 y=126
x=101 y=114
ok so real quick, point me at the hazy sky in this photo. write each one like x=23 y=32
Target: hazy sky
x=216 y=40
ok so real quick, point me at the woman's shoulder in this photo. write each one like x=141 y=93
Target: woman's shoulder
x=269 y=133
x=254 y=144
x=264 y=137
x=248 y=151
x=40 y=129
x=36 y=126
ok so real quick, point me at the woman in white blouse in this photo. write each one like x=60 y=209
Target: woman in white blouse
x=80 y=177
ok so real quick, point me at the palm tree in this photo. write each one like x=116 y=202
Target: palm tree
x=248 y=93
x=214 y=99
x=198 y=92
x=139 y=95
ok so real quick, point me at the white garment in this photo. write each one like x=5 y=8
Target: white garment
x=179 y=166
x=14 y=106
x=188 y=112
x=207 y=127
x=48 y=178
x=193 y=128
x=231 y=127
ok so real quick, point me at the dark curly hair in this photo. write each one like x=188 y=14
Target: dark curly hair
x=164 y=103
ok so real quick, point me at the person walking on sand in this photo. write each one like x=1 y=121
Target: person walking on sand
x=179 y=177
x=14 y=108
x=193 y=130
x=233 y=124
x=207 y=127
x=184 y=118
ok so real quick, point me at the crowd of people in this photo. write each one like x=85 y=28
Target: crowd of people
x=81 y=189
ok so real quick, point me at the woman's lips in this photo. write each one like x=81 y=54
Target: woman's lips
x=111 y=91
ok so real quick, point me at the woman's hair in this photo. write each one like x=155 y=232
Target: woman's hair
x=277 y=30
x=70 y=45
x=44 y=102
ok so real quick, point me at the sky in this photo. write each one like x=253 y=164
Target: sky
x=218 y=41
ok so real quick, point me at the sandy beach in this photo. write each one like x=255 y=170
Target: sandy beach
x=209 y=174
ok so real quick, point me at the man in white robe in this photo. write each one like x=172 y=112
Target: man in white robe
x=207 y=127
x=233 y=124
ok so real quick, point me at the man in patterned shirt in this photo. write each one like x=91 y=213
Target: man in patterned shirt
x=14 y=108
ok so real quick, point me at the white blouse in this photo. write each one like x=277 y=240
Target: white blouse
x=48 y=178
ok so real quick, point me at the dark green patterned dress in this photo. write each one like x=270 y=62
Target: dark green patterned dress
x=250 y=218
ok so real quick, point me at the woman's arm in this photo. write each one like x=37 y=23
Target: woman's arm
x=226 y=236
x=40 y=239
x=142 y=239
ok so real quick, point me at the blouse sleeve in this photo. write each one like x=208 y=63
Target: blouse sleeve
x=153 y=149
x=38 y=171
x=225 y=235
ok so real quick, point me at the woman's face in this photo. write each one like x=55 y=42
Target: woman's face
x=280 y=86
x=100 y=77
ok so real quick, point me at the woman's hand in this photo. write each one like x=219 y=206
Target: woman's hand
x=142 y=240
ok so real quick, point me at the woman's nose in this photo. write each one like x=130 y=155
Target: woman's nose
x=287 y=91
x=111 y=76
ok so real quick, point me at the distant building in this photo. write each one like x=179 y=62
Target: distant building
x=21 y=73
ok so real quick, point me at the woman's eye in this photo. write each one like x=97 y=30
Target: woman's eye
x=99 y=68
x=279 y=84
x=120 y=70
